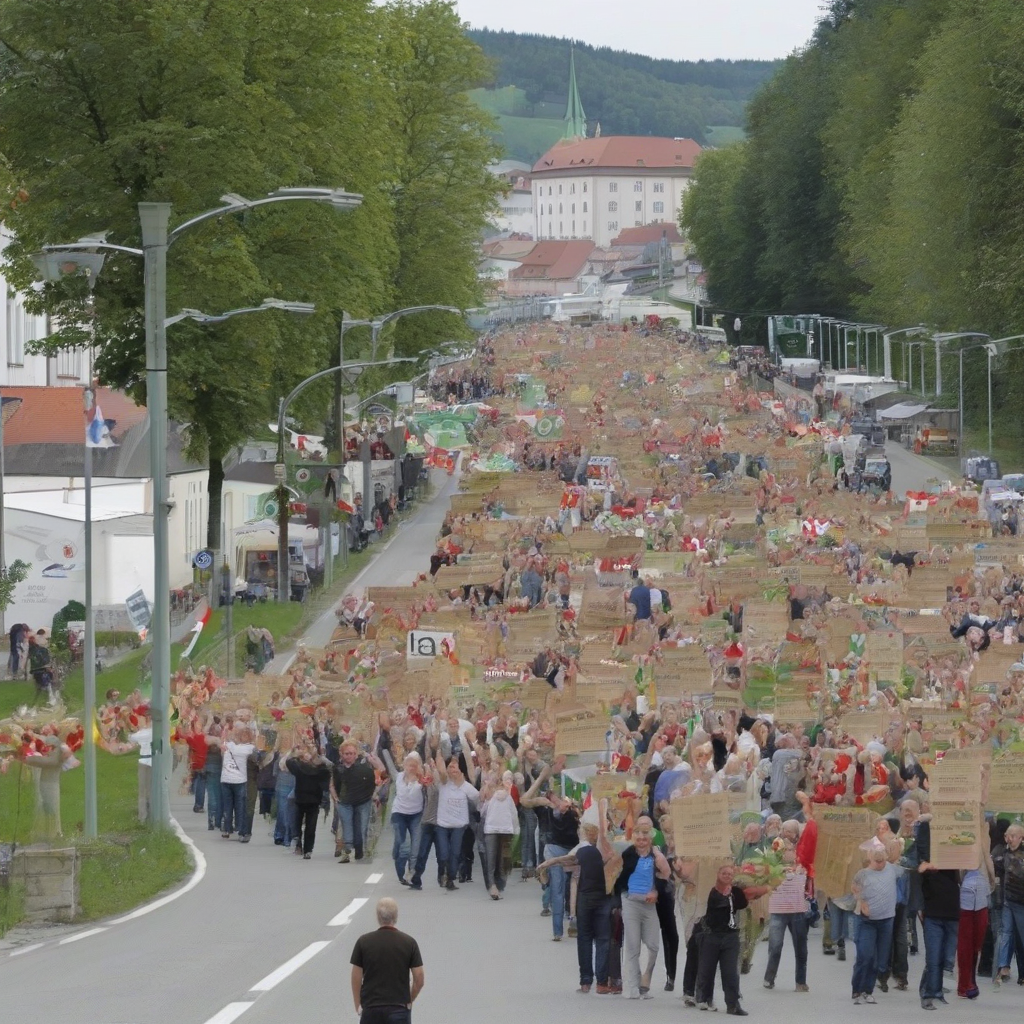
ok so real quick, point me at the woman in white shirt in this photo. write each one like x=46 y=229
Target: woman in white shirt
x=233 y=778
x=455 y=794
x=501 y=822
x=406 y=810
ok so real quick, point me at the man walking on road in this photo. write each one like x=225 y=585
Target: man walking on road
x=382 y=962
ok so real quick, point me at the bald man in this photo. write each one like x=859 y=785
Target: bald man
x=382 y=963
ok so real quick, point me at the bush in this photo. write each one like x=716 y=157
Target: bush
x=118 y=638
x=73 y=611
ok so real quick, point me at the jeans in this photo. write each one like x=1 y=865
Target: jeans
x=198 y=790
x=839 y=919
x=355 y=821
x=970 y=937
x=496 y=845
x=778 y=925
x=669 y=932
x=1011 y=929
x=449 y=849
x=529 y=831
x=593 y=935
x=428 y=838
x=639 y=927
x=284 y=823
x=405 y=825
x=719 y=950
x=305 y=825
x=386 y=1015
x=233 y=804
x=874 y=942
x=213 y=798
x=939 y=946
x=898 y=965
x=556 y=886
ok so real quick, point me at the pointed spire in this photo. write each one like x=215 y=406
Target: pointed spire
x=575 y=118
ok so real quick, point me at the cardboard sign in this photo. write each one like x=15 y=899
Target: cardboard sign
x=958 y=781
x=864 y=726
x=994 y=664
x=701 y=825
x=956 y=831
x=764 y=622
x=1006 y=783
x=573 y=737
x=683 y=670
x=883 y=650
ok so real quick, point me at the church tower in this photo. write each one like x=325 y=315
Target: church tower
x=575 y=118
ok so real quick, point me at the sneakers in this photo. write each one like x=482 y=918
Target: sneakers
x=343 y=857
x=737 y=1011
x=603 y=990
x=451 y=887
x=670 y=985
x=869 y=998
x=546 y=912
x=901 y=985
x=556 y=938
x=883 y=985
x=858 y=999
x=307 y=856
x=829 y=951
x=841 y=954
x=689 y=1001
x=706 y=1006
x=583 y=989
x=745 y=967
x=802 y=988
x=927 y=1004
x=768 y=984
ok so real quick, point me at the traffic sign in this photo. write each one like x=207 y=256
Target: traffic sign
x=202 y=560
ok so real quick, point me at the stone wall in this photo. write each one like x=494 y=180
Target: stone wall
x=50 y=881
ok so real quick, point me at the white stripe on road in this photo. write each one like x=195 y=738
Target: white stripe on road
x=230 y=1013
x=28 y=949
x=81 y=935
x=345 y=917
x=289 y=967
x=374 y=878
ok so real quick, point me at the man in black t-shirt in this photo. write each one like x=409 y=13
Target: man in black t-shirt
x=382 y=962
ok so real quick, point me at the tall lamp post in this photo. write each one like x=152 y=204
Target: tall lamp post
x=992 y=350
x=156 y=239
x=281 y=469
x=887 y=337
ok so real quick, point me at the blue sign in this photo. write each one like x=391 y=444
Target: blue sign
x=202 y=560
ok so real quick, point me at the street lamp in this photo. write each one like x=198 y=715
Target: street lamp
x=939 y=339
x=154 y=219
x=281 y=469
x=887 y=337
x=992 y=350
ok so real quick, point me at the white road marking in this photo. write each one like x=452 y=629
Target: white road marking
x=289 y=967
x=230 y=1013
x=374 y=878
x=80 y=935
x=345 y=917
x=198 y=874
x=28 y=949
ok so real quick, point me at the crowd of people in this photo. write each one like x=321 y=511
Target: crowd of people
x=480 y=783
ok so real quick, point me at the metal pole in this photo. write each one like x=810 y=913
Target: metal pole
x=938 y=367
x=89 y=745
x=3 y=560
x=960 y=439
x=921 y=346
x=154 y=218
x=283 y=568
x=988 y=352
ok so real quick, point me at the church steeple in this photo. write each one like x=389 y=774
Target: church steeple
x=575 y=118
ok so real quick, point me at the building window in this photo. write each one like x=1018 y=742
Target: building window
x=613 y=225
x=573 y=207
x=584 y=207
x=69 y=363
x=574 y=229
x=659 y=207
x=613 y=186
x=15 y=332
x=659 y=186
x=559 y=189
x=638 y=186
x=549 y=209
x=613 y=207
x=561 y=230
x=559 y=207
x=584 y=227
x=584 y=186
x=639 y=206
x=572 y=189
x=551 y=230
x=549 y=190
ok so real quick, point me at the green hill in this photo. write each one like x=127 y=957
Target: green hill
x=627 y=93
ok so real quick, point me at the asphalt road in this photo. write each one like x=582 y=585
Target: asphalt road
x=911 y=472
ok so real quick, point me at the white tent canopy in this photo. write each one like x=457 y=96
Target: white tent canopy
x=902 y=411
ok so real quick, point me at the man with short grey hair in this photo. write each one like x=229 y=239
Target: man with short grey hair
x=382 y=962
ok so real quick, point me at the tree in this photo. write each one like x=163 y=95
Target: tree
x=104 y=104
x=10 y=576
x=443 y=193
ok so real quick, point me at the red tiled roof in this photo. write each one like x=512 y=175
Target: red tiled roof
x=554 y=261
x=56 y=415
x=619 y=151
x=648 y=234
x=507 y=248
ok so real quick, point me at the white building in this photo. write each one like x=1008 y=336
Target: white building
x=595 y=188
x=19 y=328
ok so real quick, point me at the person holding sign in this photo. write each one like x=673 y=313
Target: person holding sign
x=720 y=941
x=940 y=891
x=641 y=863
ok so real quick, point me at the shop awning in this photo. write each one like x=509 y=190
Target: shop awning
x=902 y=411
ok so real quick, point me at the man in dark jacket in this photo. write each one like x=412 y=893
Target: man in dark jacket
x=940 y=892
x=352 y=786
x=312 y=778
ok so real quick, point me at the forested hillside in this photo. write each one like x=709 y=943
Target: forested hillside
x=883 y=178
x=628 y=94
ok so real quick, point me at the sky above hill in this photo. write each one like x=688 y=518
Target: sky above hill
x=673 y=29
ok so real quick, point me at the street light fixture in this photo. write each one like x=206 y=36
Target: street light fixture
x=992 y=350
x=281 y=469
x=887 y=337
x=154 y=220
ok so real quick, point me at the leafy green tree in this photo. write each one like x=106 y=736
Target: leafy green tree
x=10 y=576
x=104 y=104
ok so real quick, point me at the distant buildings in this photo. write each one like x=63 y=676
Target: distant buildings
x=516 y=217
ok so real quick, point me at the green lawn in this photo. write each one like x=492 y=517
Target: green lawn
x=724 y=134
